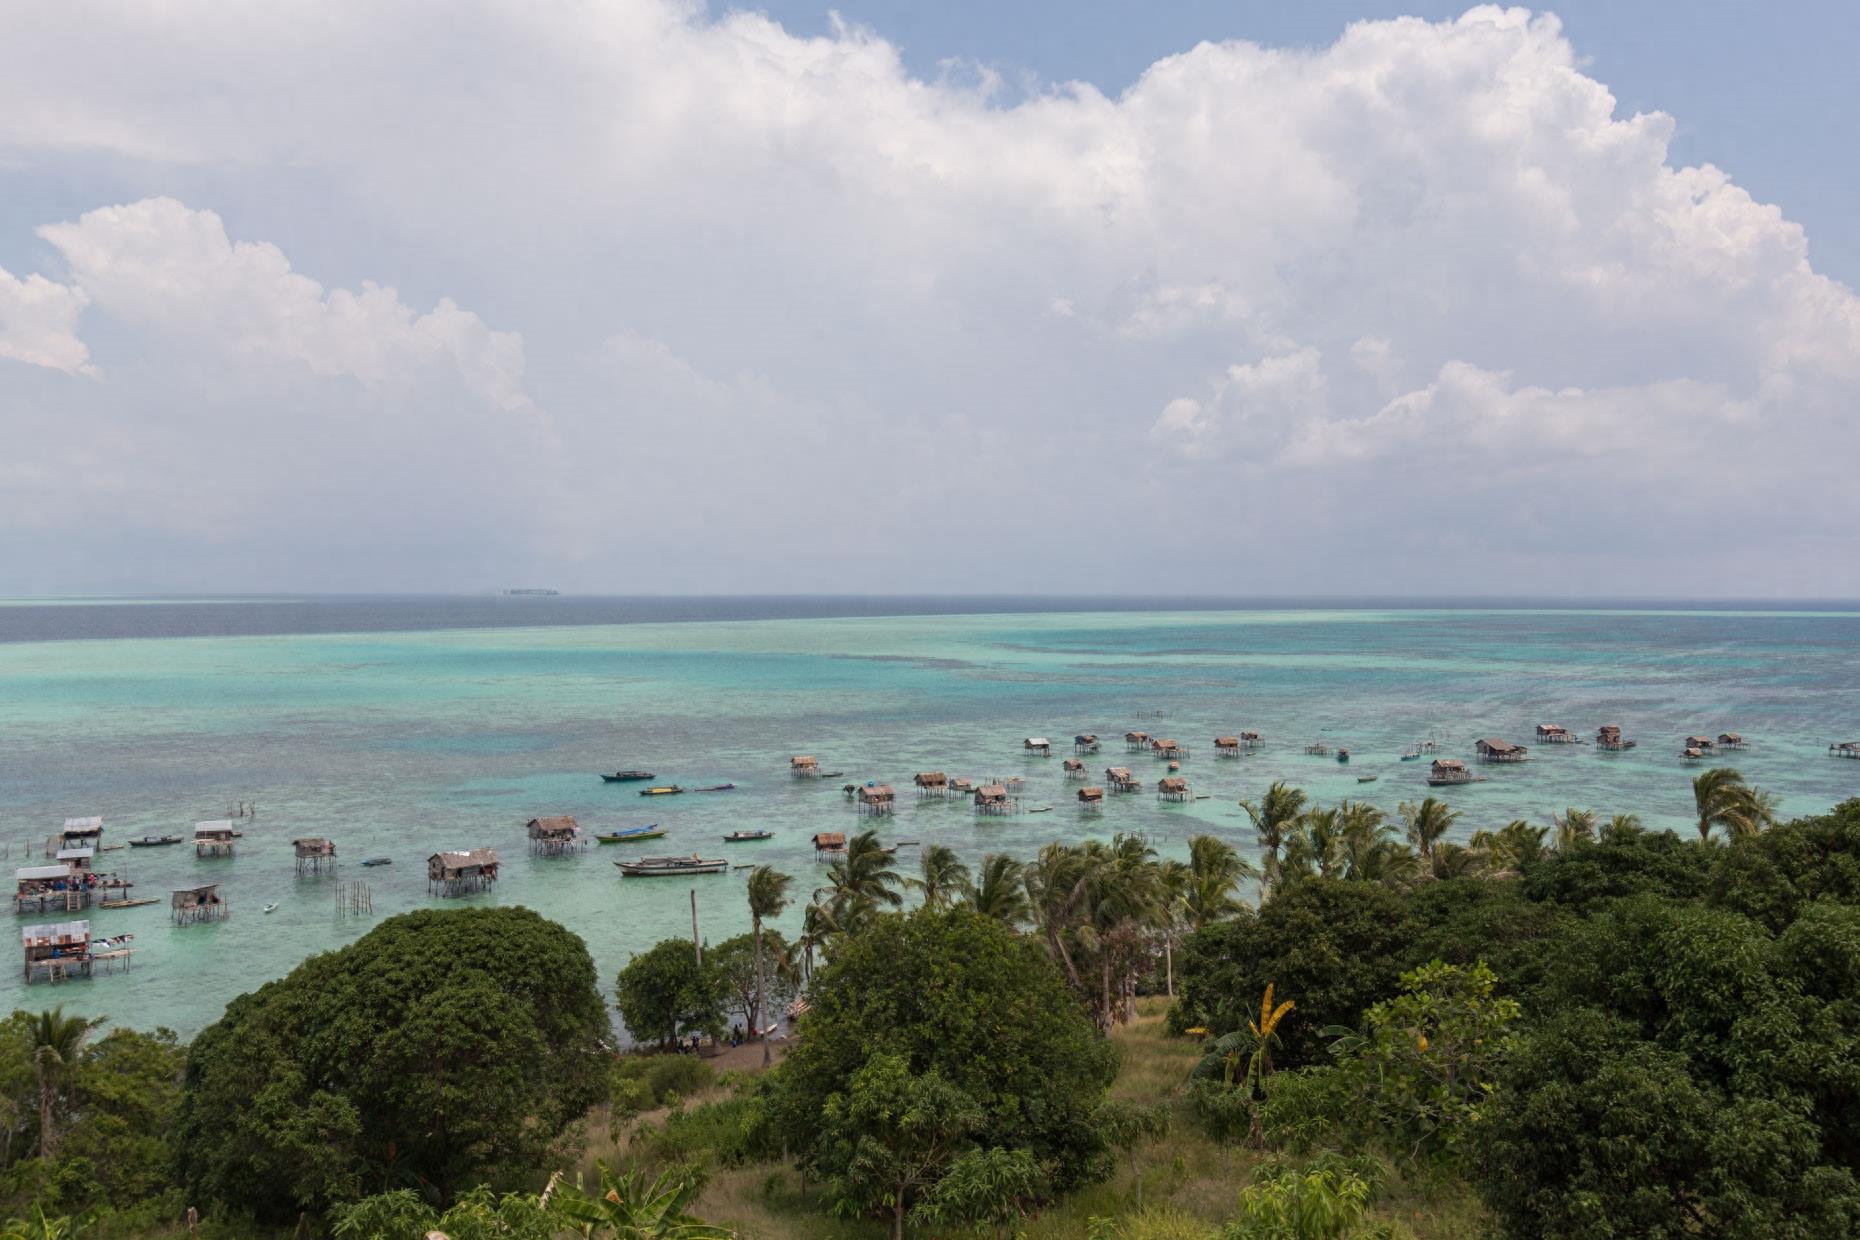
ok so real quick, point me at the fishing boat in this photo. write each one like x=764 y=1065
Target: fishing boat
x=651 y=831
x=744 y=837
x=666 y=867
x=1343 y=755
x=1365 y=779
x=626 y=777
x=154 y=841
x=378 y=861
x=128 y=903
x=661 y=790
x=715 y=788
x=271 y=908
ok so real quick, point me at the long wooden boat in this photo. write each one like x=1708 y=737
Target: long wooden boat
x=154 y=841
x=661 y=790
x=627 y=777
x=716 y=788
x=128 y=903
x=744 y=837
x=379 y=861
x=651 y=831
x=667 y=867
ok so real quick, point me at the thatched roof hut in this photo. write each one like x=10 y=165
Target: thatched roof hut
x=1730 y=740
x=804 y=766
x=555 y=835
x=1698 y=742
x=459 y=871
x=214 y=839
x=1085 y=742
x=962 y=787
x=1554 y=734
x=1449 y=771
x=1227 y=746
x=1073 y=767
x=993 y=799
x=1038 y=744
x=1136 y=741
x=1172 y=788
x=930 y=779
x=1494 y=750
x=829 y=843
x=1092 y=795
x=877 y=798
x=1120 y=779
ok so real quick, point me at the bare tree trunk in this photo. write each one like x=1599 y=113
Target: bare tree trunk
x=1107 y=1014
x=1169 y=962
x=755 y=1009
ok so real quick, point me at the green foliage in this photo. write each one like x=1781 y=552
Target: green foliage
x=441 y=1049
x=627 y=1207
x=1771 y=877
x=966 y=1025
x=1698 y=1077
x=1425 y=1063
x=732 y=965
x=1584 y=877
x=37 y=1225
x=1332 y=946
x=677 y=1075
x=730 y=1132
x=982 y=1187
x=1310 y=1109
x=664 y=992
x=1326 y=1200
x=1466 y=920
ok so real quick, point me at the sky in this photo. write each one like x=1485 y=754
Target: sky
x=1095 y=297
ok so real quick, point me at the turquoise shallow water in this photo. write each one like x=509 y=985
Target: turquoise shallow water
x=400 y=743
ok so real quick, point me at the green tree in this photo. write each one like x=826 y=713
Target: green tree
x=1273 y=816
x=1772 y=877
x=1337 y=946
x=443 y=1048
x=861 y=884
x=1724 y=801
x=1426 y=823
x=941 y=876
x=960 y=996
x=1584 y=879
x=1215 y=872
x=664 y=992
x=892 y=1134
x=57 y=1040
x=743 y=978
x=1428 y=1059
x=982 y=1187
x=1327 y=1200
x=1129 y=1126
x=1000 y=891
x=768 y=896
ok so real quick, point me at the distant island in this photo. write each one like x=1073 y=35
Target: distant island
x=550 y=593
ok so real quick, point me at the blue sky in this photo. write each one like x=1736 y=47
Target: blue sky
x=613 y=295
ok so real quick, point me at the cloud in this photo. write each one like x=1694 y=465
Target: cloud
x=38 y=324
x=937 y=333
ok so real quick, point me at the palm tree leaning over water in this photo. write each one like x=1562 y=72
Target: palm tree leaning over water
x=1723 y=799
x=57 y=1040
x=1574 y=827
x=943 y=877
x=1215 y=872
x=768 y=896
x=1272 y=818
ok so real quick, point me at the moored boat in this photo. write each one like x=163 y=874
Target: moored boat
x=716 y=788
x=663 y=867
x=651 y=831
x=1343 y=755
x=627 y=777
x=661 y=790
x=154 y=841
x=744 y=837
x=378 y=861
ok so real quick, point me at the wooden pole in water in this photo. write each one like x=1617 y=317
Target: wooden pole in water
x=696 y=944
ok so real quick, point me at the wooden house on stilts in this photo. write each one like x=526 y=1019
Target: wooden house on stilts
x=190 y=905
x=877 y=799
x=56 y=951
x=1491 y=749
x=804 y=766
x=1119 y=779
x=1173 y=788
x=930 y=784
x=1136 y=742
x=314 y=855
x=214 y=839
x=461 y=872
x=1091 y=797
x=829 y=845
x=555 y=836
x=1085 y=742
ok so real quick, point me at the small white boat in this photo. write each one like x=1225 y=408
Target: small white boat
x=271 y=908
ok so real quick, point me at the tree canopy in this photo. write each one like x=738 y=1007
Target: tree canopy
x=440 y=1049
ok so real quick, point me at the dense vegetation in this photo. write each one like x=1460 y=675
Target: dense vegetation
x=1578 y=1029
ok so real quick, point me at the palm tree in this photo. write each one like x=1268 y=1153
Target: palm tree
x=1055 y=884
x=1272 y=818
x=1370 y=850
x=1174 y=880
x=1623 y=827
x=1215 y=871
x=817 y=926
x=1315 y=845
x=1455 y=861
x=628 y=1208
x=862 y=882
x=1574 y=826
x=1001 y=891
x=57 y=1040
x=1723 y=799
x=943 y=876
x=1121 y=896
x=1516 y=845
x=1426 y=823
x=768 y=896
